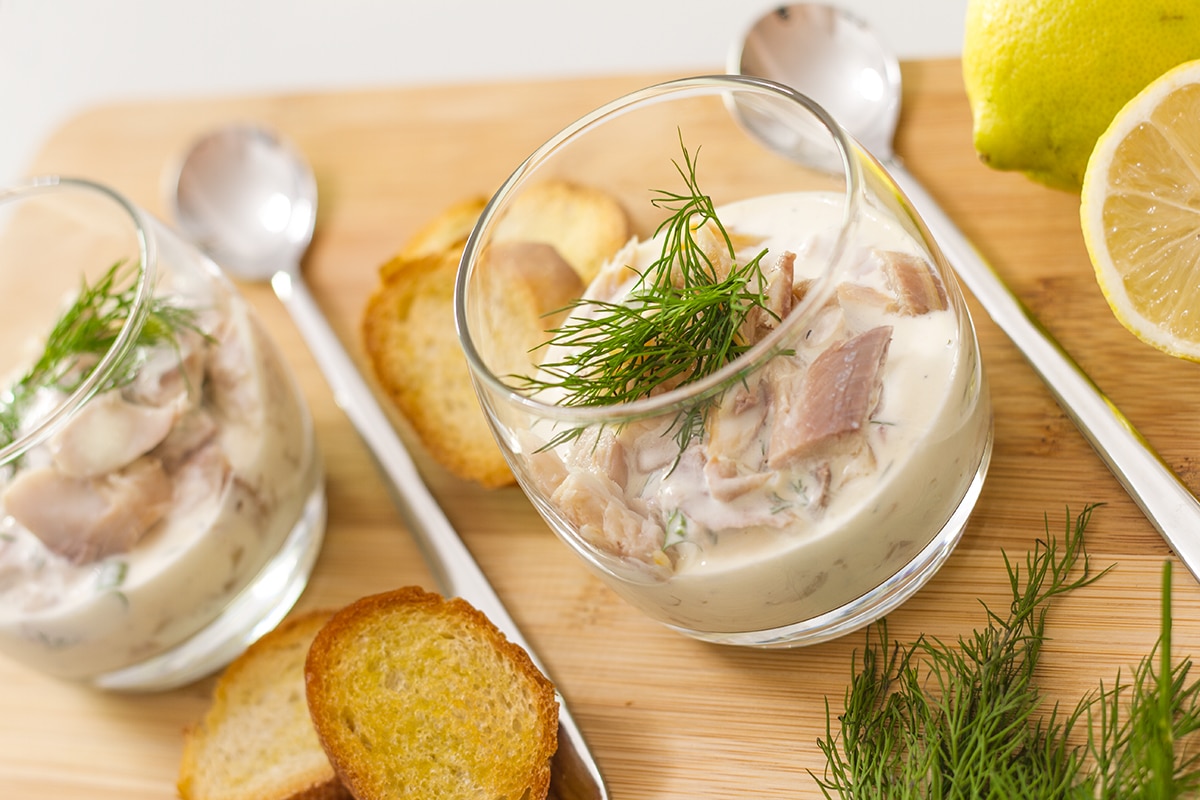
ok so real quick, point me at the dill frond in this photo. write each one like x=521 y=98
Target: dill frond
x=84 y=333
x=679 y=324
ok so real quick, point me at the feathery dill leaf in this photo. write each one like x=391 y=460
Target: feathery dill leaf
x=679 y=324
x=84 y=333
x=1144 y=746
x=930 y=719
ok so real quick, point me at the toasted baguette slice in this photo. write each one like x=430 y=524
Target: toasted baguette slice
x=257 y=740
x=549 y=244
x=585 y=225
x=408 y=334
x=524 y=289
x=447 y=231
x=414 y=696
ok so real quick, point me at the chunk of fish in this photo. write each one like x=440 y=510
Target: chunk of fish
x=171 y=374
x=728 y=479
x=86 y=519
x=714 y=251
x=596 y=506
x=836 y=396
x=733 y=449
x=200 y=479
x=779 y=295
x=192 y=430
x=109 y=433
x=606 y=453
x=721 y=507
x=733 y=426
x=917 y=288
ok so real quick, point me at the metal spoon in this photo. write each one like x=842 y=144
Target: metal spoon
x=249 y=200
x=834 y=58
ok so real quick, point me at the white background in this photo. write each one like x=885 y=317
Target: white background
x=59 y=57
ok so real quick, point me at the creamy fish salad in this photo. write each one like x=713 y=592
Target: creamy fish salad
x=134 y=524
x=817 y=476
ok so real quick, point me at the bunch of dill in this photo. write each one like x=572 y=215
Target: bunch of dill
x=934 y=720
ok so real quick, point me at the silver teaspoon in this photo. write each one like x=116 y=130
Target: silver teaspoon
x=835 y=58
x=249 y=200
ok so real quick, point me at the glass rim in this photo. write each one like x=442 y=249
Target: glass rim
x=126 y=338
x=718 y=381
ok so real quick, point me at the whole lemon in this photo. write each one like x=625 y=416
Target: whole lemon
x=1046 y=77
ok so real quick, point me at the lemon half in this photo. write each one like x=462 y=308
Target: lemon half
x=1140 y=213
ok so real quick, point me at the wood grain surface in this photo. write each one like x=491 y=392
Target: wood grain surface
x=667 y=717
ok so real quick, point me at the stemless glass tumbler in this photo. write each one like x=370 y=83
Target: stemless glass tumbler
x=765 y=421
x=161 y=494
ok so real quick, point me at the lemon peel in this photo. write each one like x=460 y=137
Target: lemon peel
x=1045 y=77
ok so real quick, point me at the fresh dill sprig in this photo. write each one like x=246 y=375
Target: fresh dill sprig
x=1148 y=751
x=928 y=719
x=84 y=333
x=679 y=323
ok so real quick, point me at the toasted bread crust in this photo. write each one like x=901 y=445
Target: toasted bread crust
x=447 y=231
x=585 y=225
x=408 y=334
x=414 y=696
x=553 y=239
x=256 y=741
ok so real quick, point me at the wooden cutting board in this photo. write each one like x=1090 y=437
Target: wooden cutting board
x=667 y=717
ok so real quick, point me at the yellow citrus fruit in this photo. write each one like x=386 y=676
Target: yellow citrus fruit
x=1046 y=77
x=1140 y=213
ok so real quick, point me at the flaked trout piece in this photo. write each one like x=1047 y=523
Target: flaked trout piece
x=779 y=299
x=917 y=289
x=86 y=519
x=839 y=392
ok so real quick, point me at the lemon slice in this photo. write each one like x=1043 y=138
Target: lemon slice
x=1140 y=213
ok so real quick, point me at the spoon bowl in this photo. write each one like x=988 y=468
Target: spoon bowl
x=249 y=199
x=832 y=56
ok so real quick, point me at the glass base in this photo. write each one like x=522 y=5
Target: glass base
x=878 y=602
x=255 y=610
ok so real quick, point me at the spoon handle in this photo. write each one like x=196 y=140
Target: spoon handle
x=1155 y=488
x=455 y=570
